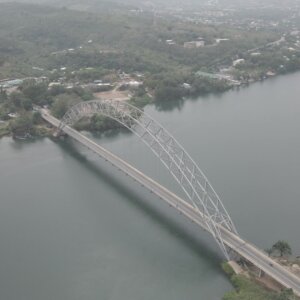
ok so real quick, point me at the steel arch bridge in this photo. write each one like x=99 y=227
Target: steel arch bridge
x=171 y=154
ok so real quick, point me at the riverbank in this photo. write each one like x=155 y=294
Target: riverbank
x=62 y=102
x=41 y=130
x=23 y=121
x=248 y=286
x=4 y=131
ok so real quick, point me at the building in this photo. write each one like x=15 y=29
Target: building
x=134 y=84
x=170 y=42
x=52 y=84
x=218 y=41
x=186 y=86
x=194 y=44
x=255 y=54
x=238 y=62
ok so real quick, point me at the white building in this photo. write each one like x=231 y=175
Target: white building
x=194 y=44
x=134 y=83
x=238 y=62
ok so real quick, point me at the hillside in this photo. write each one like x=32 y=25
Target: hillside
x=30 y=33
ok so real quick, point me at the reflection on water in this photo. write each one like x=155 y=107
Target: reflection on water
x=153 y=212
x=169 y=105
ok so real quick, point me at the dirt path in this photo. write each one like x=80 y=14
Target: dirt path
x=114 y=95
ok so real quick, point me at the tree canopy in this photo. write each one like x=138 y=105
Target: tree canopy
x=282 y=247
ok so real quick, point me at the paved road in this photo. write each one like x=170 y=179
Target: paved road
x=233 y=241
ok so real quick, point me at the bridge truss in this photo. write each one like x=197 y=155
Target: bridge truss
x=172 y=155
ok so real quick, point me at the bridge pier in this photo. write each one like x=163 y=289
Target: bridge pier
x=58 y=133
x=250 y=267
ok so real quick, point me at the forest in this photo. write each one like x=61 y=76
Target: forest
x=78 y=47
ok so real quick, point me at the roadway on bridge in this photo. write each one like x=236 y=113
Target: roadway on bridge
x=233 y=241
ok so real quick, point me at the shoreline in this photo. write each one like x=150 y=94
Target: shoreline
x=43 y=130
x=247 y=283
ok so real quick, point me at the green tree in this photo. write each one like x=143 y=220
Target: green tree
x=19 y=100
x=282 y=247
x=3 y=96
x=286 y=294
x=62 y=104
x=84 y=94
x=36 y=92
x=22 y=124
x=102 y=123
x=36 y=117
x=16 y=98
x=56 y=90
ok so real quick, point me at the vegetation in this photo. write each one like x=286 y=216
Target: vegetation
x=22 y=125
x=227 y=269
x=282 y=247
x=4 y=130
x=170 y=86
x=97 y=123
x=119 y=41
x=16 y=108
x=248 y=289
x=74 y=48
x=62 y=103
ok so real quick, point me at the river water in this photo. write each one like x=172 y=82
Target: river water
x=72 y=227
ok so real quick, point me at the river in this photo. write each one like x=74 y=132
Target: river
x=72 y=227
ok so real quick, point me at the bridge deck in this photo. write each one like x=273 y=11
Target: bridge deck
x=233 y=241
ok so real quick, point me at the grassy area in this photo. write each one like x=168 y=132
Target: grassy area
x=247 y=289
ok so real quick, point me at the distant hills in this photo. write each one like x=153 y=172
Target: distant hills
x=119 y=4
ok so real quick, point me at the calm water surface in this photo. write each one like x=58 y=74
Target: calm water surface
x=72 y=227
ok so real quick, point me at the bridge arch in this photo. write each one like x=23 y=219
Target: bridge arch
x=172 y=155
